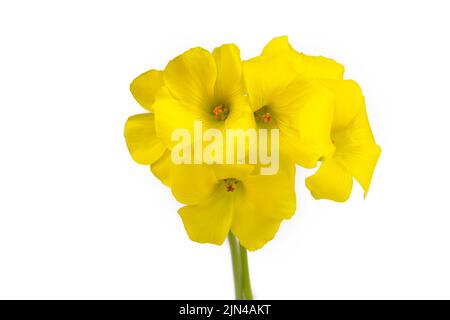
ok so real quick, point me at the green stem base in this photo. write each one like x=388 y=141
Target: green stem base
x=239 y=259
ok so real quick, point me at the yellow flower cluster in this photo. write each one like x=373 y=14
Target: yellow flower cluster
x=321 y=118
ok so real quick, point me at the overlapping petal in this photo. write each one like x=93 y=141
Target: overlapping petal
x=143 y=144
x=265 y=77
x=171 y=115
x=229 y=73
x=145 y=87
x=163 y=168
x=356 y=152
x=304 y=114
x=209 y=221
x=306 y=67
x=252 y=228
x=348 y=99
x=273 y=196
x=193 y=183
x=331 y=181
x=191 y=77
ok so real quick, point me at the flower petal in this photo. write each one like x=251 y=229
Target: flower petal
x=241 y=115
x=278 y=46
x=163 y=168
x=171 y=115
x=304 y=115
x=348 y=98
x=252 y=228
x=229 y=72
x=145 y=87
x=331 y=181
x=143 y=144
x=193 y=184
x=240 y=118
x=209 y=221
x=318 y=67
x=357 y=151
x=273 y=196
x=308 y=67
x=237 y=171
x=191 y=76
x=264 y=77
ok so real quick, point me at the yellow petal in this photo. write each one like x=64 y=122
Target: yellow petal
x=191 y=76
x=264 y=77
x=357 y=151
x=237 y=171
x=261 y=204
x=318 y=67
x=143 y=144
x=348 y=98
x=163 y=167
x=145 y=87
x=252 y=228
x=331 y=181
x=304 y=115
x=241 y=115
x=229 y=72
x=209 y=221
x=273 y=196
x=193 y=184
x=308 y=67
x=172 y=114
x=240 y=118
x=278 y=46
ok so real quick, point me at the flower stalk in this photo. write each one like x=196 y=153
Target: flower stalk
x=246 y=286
x=241 y=274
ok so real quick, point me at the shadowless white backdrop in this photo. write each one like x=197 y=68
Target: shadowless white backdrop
x=79 y=219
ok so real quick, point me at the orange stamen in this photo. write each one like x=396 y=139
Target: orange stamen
x=267 y=117
x=216 y=111
x=263 y=115
x=220 y=112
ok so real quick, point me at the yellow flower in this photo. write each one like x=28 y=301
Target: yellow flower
x=251 y=206
x=356 y=152
x=143 y=143
x=282 y=96
x=200 y=86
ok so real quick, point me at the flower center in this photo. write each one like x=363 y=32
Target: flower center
x=230 y=184
x=220 y=112
x=263 y=115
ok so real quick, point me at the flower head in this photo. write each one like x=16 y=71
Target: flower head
x=320 y=118
x=354 y=153
x=250 y=206
x=206 y=87
x=282 y=96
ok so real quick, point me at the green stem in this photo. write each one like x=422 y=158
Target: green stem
x=236 y=261
x=246 y=286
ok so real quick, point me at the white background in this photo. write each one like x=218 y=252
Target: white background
x=80 y=219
